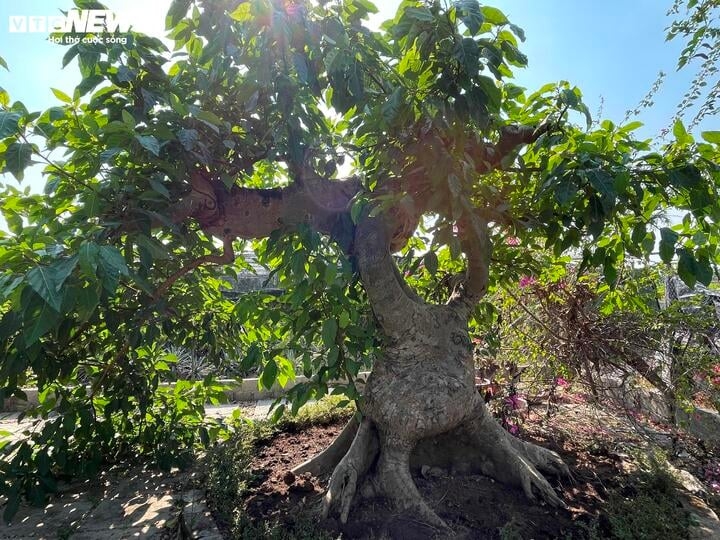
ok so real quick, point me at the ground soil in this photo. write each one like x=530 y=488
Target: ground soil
x=598 y=446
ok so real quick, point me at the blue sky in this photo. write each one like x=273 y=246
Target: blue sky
x=612 y=49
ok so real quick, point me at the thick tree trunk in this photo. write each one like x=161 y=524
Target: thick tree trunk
x=420 y=405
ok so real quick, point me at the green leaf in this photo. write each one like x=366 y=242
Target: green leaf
x=47 y=281
x=286 y=371
x=610 y=272
x=88 y=258
x=419 y=14
x=604 y=184
x=391 y=107
x=468 y=54
x=43 y=322
x=681 y=134
x=711 y=136
x=71 y=53
x=177 y=11
x=687 y=176
x=687 y=268
x=112 y=260
x=269 y=374
x=150 y=143
x=62 y=96
x=87 y=84
x=242 y=13
x=470 y=14
x=566 y=190
x=668 y=238
x=3 y=63
x=639 y=233
x=329 y=332
x=87 y=301
x=494 y=15
x=17 y=157
x=128 y=119
x=209 y=117
x=9 y=123
x=333 y=355
x=431 y=262
x=632 y=126
x=42 y=280
x=704 y=271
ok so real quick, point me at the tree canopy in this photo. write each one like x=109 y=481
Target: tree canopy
x=280 y=125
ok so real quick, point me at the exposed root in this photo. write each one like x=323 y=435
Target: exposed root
x=378 y=464
x=544 y=460
x=351 y=470
x=327 y=460
x=393 y=479
x=513 y=461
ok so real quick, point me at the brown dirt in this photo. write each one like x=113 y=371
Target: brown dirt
x=596 y=445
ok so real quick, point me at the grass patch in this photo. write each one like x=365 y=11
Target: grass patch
x=647 y=506
x=230 y=477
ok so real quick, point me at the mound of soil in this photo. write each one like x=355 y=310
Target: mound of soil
x=597 y=450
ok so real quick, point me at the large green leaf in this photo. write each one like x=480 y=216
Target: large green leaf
x=329 y=332
x=668 y=238
x=150 y=143
x=470 y=14
x=47 y=281
x=9 y=123
x=17 y=157
x=45 y=320
x=269 y=374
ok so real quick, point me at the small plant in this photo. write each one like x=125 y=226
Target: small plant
x=230 y=476
x=647 y=507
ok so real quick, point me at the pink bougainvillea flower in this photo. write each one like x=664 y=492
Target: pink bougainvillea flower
x=716 y=369
x=560 y=381
x=513 y=429
x=477 y=340
x=514 y=401
x=526 y=281
x=716 y=381
x=512 y=241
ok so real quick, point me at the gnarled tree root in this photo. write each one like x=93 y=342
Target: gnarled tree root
x=351 y=470
x=376 y=464
x=392 y=478
x=327 y=460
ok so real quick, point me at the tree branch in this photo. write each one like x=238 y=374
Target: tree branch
x=489 y=157
x=394 y=307
x=255 y=213
x=227 y=256
x=475 y=243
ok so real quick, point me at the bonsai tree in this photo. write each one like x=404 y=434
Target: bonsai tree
x=343 y=153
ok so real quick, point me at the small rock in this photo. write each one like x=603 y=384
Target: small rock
x=289 y=478
x=305 y=485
